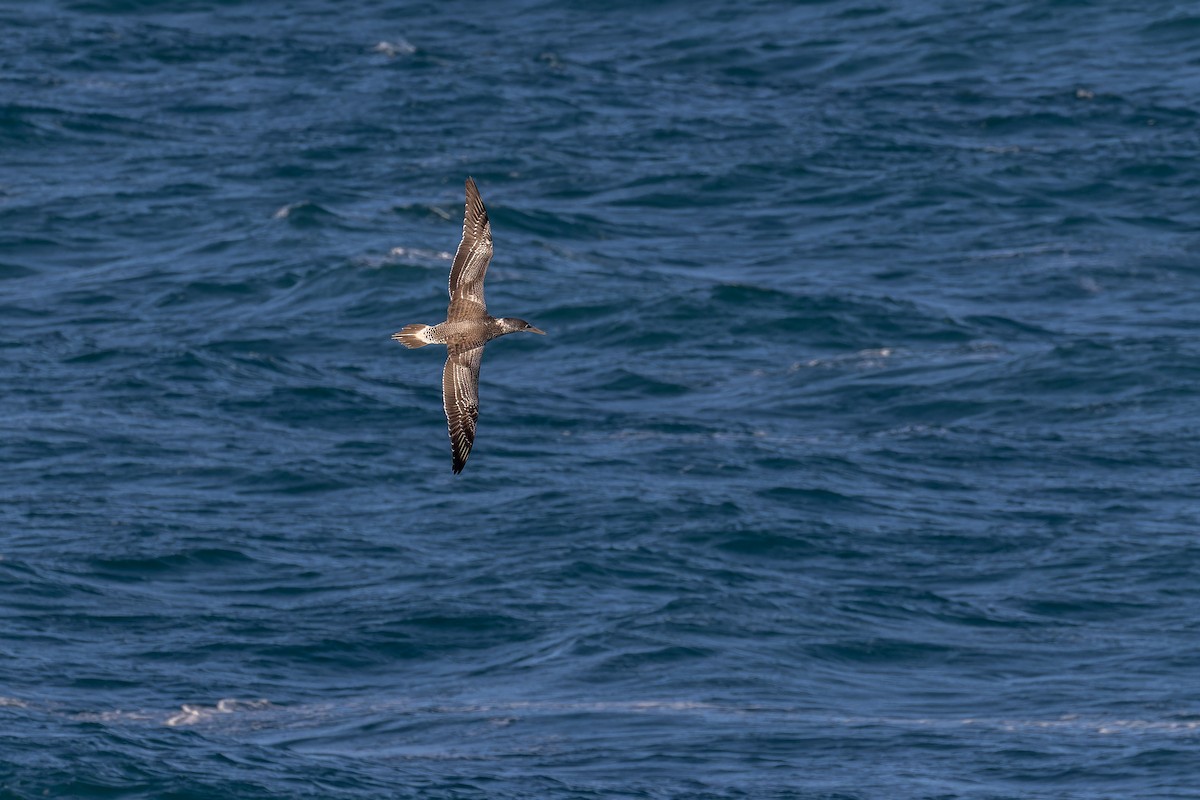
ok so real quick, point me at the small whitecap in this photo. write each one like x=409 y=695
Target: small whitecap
x=285 y=211
x=191 y=714
x=400 y=47
x=420 y=253
x=231 y=704
x=407 y=255
x=188 y=715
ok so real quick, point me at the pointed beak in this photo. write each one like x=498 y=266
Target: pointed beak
x=532 y=329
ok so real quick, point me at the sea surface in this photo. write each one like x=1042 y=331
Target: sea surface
x=861 y=461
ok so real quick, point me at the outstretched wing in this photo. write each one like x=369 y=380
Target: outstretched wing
x=460 y=397
x=471 y=260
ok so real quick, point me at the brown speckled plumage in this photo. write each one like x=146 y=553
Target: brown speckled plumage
x=468 y=327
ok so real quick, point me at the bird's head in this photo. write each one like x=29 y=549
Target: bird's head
x=514 y=325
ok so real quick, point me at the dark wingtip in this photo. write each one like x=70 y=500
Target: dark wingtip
x=473 y=196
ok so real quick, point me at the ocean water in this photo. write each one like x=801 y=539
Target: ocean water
x=860 y=461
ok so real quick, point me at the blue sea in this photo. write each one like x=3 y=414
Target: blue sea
x=861 y=459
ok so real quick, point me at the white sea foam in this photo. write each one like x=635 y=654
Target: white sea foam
x=400 y=47
x=267 y=716
x=420 y=253
x=190 y=714
x=407 y=255
x=863 y=359
x=284 y=212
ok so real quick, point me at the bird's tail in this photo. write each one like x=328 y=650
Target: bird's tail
x=413 y=336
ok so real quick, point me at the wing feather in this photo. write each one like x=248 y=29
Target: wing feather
x=460 y=397
x=472 y=258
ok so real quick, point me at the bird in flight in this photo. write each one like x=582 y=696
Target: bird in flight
x=468 y=327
